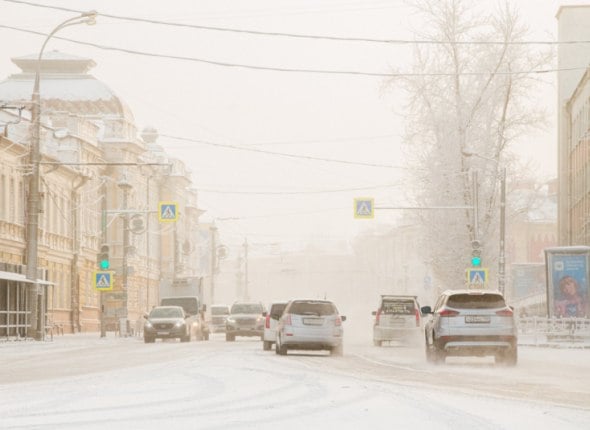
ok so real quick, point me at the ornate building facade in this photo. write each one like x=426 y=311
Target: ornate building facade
x=101 y=182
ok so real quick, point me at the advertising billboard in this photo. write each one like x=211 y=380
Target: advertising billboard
x=568 y=268
x=528 y=279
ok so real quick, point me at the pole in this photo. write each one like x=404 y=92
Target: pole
x=213 y=229
x=125 y=186
x=37 y=329
x=475 y=207
x=246 y=294
x=147 y=245
x=502 y=259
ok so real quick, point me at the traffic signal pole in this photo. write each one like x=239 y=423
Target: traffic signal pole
x=502 y=259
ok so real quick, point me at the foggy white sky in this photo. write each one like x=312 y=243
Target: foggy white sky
x=319 y=115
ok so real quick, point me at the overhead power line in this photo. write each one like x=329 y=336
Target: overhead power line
x=305 y=36
x=292 y=70
x=283 y=154
x=338 y=190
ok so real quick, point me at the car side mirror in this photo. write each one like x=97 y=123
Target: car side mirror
x=264 y=313
x=343 y=317
x=145 y=316
x=204 y=308
x=426 y=309
x=374 y=313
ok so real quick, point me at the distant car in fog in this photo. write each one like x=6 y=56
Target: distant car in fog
x=471 y=323
x=219 y=314
x=309 y=324
x=398 y=318
x=270 y=324
x=167 y=322
x=245 y=319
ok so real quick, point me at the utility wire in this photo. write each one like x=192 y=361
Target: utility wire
x=283 y=154
x=339 y=190
x=292 y=70
x=305 y=36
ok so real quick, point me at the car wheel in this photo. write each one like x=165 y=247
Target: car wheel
x=280 y=349
x=266 y=345
x=229 y=337
x=186 y=338
x=148 y=339
x=430 y=351
x=337 y=350
x=206 y=336
x=283 y=350
x=509 y=357
x=439 y=355
x=377 y=343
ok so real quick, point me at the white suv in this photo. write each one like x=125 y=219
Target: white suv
x=471 y=322
x=397 y=318
x=269 y=336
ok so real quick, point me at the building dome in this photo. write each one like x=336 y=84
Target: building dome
x=65 y=86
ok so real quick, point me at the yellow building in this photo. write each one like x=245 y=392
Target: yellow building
x=101 y=182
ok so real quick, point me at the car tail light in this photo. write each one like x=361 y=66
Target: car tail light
x=338 y=321
x=505 y=312
x=377 y=316
x=287 y=319
x=417 y=317
x=444 y=312
x=267 y=322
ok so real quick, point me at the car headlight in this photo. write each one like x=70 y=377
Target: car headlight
x=179 y=324
x=148 y=324
x=230 y=320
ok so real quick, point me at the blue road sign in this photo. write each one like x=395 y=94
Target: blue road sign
x=364 y=208
x=103 y=281
x=477 y=276
x=167 y=211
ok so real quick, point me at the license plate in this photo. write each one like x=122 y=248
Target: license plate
x=477 y=319
x=313 y=321
x=163 y=333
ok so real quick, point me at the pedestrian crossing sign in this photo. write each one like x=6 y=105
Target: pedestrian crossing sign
x=477 y=277
x=364 y=208
x=168 y=211
x=103 y=281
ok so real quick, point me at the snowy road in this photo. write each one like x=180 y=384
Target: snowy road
x=70 y=384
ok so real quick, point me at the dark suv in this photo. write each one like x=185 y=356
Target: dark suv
x=471 y=322
x=245 y=319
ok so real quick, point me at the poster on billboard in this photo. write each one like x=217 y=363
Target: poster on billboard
x=568 y=294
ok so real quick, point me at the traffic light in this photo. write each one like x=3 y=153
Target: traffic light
x=476 y=253
x=103 y=258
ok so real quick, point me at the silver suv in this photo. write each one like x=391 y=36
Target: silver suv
x=269 y=336
x=397 y=318
x=310 y=324
x=471 y=323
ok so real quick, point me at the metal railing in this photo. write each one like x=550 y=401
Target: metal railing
x=554 y=331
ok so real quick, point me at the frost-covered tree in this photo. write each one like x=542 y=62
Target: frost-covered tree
x=469 y=94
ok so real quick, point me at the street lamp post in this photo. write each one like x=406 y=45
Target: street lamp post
x=36 y=328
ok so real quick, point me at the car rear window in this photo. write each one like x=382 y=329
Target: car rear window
x=276 y=310
x=246 y=308
x=476 y=301
x=398 y=307
x=313 y=308
x=219 y=311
